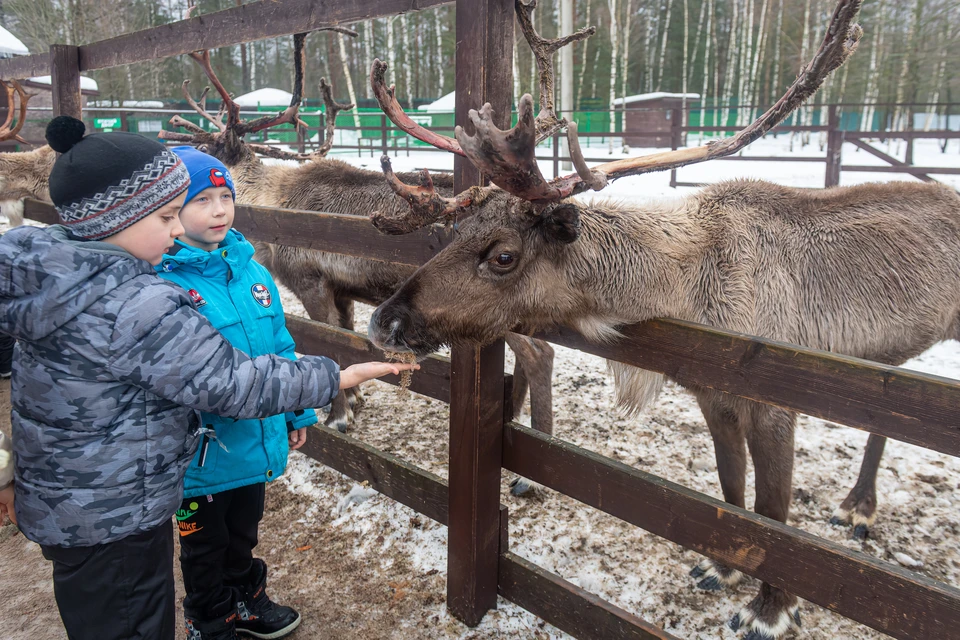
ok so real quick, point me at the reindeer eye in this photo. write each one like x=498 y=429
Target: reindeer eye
x=504 y=259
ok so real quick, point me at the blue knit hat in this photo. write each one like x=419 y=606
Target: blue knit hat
x=205 y=172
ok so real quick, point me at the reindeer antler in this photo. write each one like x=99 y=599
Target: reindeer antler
x=228 y=107
x=839 y=43
x=7 y=133
x=508 y=157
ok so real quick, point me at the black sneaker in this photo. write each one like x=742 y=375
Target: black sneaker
x=221 y=628
x=260 y=617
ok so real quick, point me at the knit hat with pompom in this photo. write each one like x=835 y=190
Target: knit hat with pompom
x=105 y=182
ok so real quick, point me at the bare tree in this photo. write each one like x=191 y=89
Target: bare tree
x=614 y=55
x=663 y=45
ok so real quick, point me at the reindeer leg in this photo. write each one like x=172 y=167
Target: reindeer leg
x=773 y=611
x=322 y=305
x=534 y=368
x=859 y=508
x=726 y=428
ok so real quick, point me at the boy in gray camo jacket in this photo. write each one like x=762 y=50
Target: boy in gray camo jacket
x=111 y=366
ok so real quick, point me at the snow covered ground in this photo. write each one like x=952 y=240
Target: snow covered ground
x=919 y=491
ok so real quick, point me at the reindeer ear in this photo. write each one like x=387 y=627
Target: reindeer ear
x=562 y=223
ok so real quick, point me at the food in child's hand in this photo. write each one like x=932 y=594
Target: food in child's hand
x=403 y=357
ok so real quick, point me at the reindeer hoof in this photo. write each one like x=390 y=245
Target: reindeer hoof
x=771 y=625
x=521 y=486
x=710 y=584
x=715 y=576
x=860 y=532
x=340 y=423
x=836 y=521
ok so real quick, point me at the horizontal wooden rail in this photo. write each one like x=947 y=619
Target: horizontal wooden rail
x=254 y=21
x=890 y=401
x=349 y=347
x=883 y=596
x=567 y=606
x=332 y=232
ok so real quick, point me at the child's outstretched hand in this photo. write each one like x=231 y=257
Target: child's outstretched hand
x=357 y=373
x=6 y=504
x=297 y=439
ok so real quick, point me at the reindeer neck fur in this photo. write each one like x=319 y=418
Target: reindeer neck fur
x=24 y=175
x=627 y=262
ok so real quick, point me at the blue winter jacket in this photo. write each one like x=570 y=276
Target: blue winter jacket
x=241 y=301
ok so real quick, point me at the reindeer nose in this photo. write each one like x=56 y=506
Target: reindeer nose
x=388 y=338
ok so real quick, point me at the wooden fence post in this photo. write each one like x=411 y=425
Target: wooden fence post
x=484 y=71
x=834 y=147
x=65 y=80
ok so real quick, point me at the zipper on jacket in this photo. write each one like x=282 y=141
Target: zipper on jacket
x=204 y=444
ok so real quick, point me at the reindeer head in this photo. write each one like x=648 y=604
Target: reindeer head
x=227 y=143
x=516 y=237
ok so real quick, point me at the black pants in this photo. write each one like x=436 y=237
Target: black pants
x=217 y=536
x=120 y=590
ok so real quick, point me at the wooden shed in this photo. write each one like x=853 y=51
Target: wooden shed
x=647 y=117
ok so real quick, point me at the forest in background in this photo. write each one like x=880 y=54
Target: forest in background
x=729 y=51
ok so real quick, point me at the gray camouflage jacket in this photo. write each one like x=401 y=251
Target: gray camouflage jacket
x=111 y=366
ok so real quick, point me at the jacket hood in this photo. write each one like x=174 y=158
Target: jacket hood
x=47 y=278
x=233 y=253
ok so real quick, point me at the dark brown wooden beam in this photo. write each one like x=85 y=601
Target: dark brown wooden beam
x=484 y=67
x=346 y=234
x=857 y=142
x=905 y=405
x=336 y=233
x=394 y=477
x=22 y=67
x=567 y=606
x=476 y=430
x=65 y=80
x=246 y=23
x=885 y=597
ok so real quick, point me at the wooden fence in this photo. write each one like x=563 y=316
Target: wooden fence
x=897 y=403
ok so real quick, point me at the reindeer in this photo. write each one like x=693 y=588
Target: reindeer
x=871 y=271
x=26 y=174
x=327 y=283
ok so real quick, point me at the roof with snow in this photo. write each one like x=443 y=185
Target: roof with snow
x=656 y=95
x=10 y=45
x=446 y=103
x=88 y=84
x=265 y=98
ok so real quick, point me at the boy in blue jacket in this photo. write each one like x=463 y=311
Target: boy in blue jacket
x=224 y=486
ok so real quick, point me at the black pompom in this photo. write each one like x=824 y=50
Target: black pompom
x=63 y=132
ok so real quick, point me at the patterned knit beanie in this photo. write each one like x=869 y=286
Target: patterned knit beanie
x=105 y=182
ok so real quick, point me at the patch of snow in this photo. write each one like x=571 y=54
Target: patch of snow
x=86 y=83
x=446 y=103
x=265 y=98
x=10 y=45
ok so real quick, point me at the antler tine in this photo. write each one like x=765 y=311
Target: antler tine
x=839 y=42
x=202 y=58
x=389 y=105
x=332 y=109
x=426 y=205
x=593 y=180
x=200 y=108
x=543 y=49
x=290 y=115
x=6 y=133
x=508 y=158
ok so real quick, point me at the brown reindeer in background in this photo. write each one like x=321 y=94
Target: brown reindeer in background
x=328 y=283
x=22 y=175
x=871 y=271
